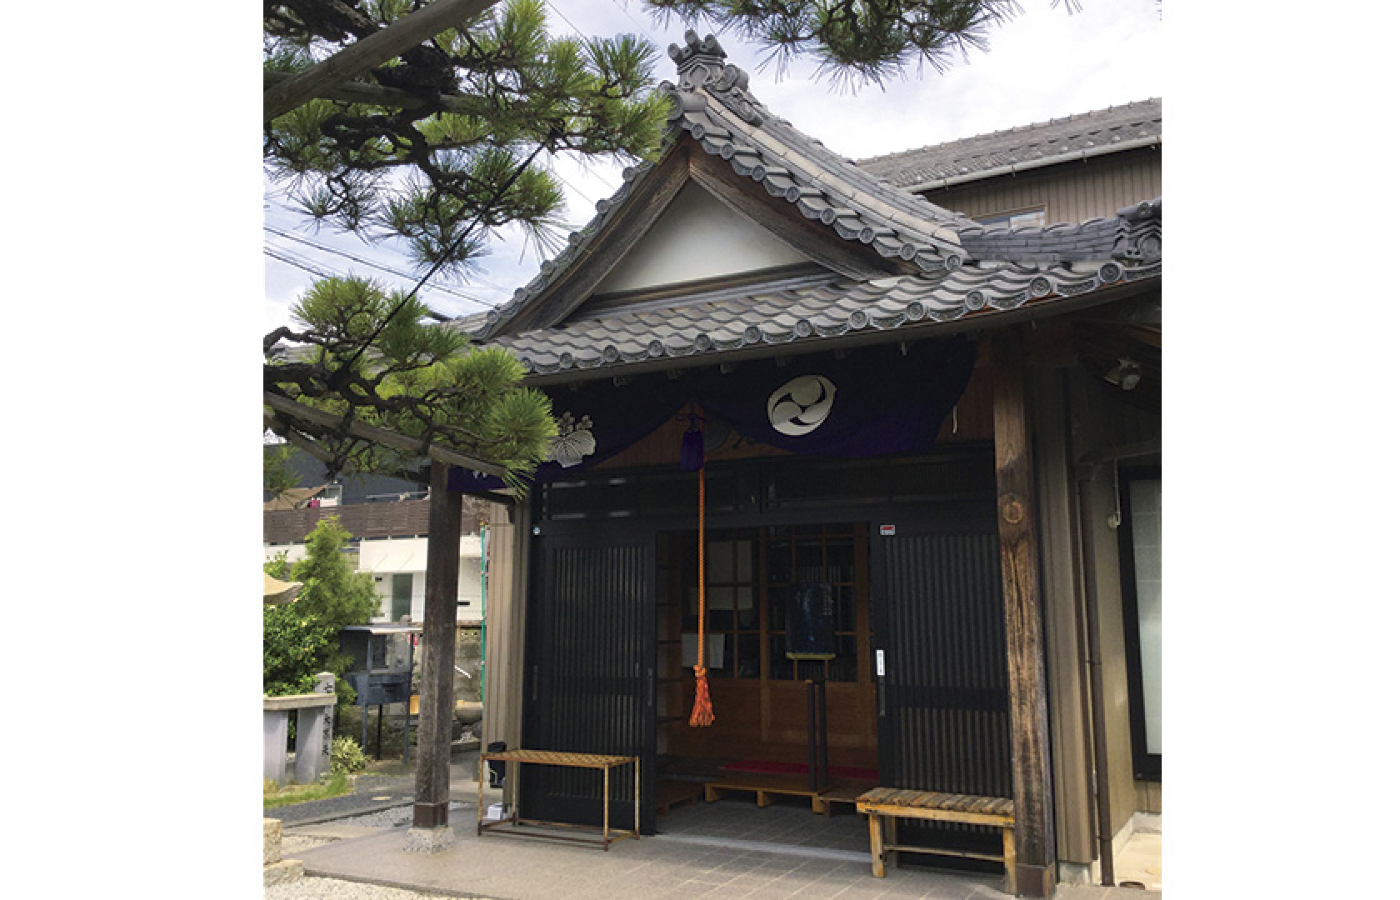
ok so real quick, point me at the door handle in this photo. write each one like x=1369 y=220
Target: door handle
x=880 y=682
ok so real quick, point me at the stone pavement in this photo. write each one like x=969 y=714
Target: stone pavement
x=727 y=849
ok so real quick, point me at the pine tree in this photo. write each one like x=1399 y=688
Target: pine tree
x=489 y=97
x=441 y=145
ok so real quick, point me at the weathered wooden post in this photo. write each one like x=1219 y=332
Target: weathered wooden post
x=1030 y=725
x=430 y=830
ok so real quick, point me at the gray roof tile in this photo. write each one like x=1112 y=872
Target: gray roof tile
x=1089 y=132
x=809 y=313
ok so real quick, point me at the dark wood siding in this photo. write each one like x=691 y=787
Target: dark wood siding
x=590 y=662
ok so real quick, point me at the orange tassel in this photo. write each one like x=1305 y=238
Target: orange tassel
x=703 y=715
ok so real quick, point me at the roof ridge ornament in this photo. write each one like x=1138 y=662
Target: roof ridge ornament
x=701 y=64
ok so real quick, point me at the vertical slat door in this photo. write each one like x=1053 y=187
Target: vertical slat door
x=590 y=675
x=941 y=677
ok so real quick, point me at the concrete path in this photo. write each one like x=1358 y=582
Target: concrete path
x=702 y=858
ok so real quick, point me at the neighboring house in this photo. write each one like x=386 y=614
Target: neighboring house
x=952 y=426
x=388 y=521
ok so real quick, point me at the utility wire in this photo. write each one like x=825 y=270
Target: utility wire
x=566 y=19
x=300 y=264
x=344 y=370
x=375 y=265
x=640 y=27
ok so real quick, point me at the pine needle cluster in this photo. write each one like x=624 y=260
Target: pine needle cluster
x=469 y=107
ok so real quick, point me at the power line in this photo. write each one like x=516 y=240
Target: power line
x=297 y=263
x=640 y=27
x=566 y=19
x=372 y=264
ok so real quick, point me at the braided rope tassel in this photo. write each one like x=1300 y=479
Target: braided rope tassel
x=703 y=715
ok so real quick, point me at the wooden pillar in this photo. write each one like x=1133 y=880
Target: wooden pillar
x=1030 y=727
x=435 y=707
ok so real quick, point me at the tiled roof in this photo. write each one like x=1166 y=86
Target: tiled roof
x=1088 y=133
x=725 y=322
x=713 y=107
x=952 y=267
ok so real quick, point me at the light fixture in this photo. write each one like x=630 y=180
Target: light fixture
x=1125 y=375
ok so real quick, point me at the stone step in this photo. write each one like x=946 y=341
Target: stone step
x=276 y=869
x=279 y=872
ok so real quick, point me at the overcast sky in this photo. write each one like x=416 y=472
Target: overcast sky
x=1047 y=63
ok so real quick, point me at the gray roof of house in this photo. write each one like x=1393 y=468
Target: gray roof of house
x=1016 y=149
x=959 y=267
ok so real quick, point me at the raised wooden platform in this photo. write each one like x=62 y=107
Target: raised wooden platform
x=766 y=787
x=676 y=793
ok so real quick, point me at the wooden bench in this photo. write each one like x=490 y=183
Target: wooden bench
x=602 y=762
x=886 y=806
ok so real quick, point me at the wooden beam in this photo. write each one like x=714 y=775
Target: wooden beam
x=1030 y=724
x=368 y=52
x=435 y=705
x=381 y=436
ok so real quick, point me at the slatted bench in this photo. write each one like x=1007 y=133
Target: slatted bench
x=601 y=762
x=886 y=806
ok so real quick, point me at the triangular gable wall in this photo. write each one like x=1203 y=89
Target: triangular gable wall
x=696 y=239
x=802 y=201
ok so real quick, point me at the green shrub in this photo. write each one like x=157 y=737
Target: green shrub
x=302 y=638
x=347 y=757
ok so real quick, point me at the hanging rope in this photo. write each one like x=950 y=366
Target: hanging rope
x=703 y=715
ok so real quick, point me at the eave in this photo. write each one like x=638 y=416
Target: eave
x=735 y=327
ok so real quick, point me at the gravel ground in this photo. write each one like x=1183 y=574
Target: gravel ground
x=309 y=888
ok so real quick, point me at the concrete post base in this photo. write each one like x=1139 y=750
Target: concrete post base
x=429 y=840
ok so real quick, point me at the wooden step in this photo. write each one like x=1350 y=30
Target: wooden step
x=676 y=793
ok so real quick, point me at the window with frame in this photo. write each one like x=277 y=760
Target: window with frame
x=750 y=575
x=1140 y=556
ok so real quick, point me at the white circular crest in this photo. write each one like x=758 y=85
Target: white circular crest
x=802 y=405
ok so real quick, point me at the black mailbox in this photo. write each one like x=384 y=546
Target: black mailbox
x=381 y=671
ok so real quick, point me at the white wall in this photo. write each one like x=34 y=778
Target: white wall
x=385 y=557
x=697 y=237
x=382 y=558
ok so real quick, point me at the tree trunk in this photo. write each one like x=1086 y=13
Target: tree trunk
x=435 y=707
